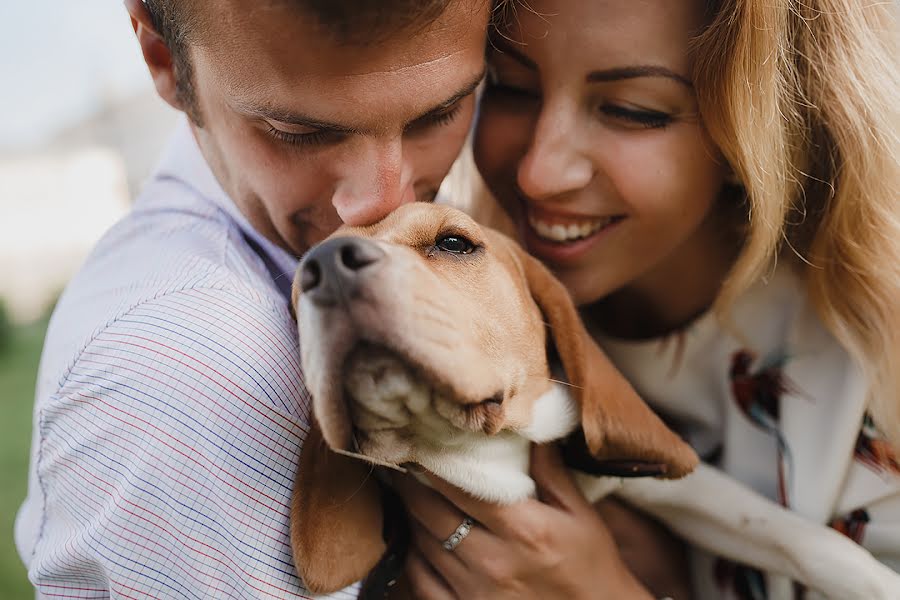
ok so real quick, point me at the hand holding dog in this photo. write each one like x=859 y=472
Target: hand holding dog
x=554 y=546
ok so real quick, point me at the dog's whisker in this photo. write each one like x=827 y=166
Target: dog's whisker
x=566 y=383
x=552 y=380
x=362 y=484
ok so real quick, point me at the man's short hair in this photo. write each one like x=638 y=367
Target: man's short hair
x=347 y=21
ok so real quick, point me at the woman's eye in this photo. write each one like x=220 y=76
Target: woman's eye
x=498 y=88
x=455 y=244
x=503 y=85
x=641 y=118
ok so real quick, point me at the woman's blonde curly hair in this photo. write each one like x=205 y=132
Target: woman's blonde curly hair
x=803 y=99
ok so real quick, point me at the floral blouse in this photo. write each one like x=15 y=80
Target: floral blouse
x=773 y=400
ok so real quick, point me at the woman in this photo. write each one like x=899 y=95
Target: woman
x=659 y=157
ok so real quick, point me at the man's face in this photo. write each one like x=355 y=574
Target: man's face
x=305 y=133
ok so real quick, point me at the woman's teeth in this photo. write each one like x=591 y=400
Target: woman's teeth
x=567 y=233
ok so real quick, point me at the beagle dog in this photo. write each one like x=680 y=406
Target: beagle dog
x=424 y=339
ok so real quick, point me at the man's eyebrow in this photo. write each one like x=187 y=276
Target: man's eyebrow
x=619 y=73
x=292 y=118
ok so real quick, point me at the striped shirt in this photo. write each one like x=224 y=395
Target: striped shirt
x=170 y=407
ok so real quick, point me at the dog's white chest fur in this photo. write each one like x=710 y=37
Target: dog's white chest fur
x=400 y=419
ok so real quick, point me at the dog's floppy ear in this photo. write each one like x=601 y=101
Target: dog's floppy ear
x=619 y=428
x=336 y=517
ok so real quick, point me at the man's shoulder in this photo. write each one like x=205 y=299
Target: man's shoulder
x=201 y=336
x=171 y=234
x=172 y=240
x=201 y=332
x=174 y=259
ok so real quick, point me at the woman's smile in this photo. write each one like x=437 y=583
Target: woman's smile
x=592 y=144
x=560 y=237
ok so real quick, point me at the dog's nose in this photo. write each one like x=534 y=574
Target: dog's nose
x=331 y=271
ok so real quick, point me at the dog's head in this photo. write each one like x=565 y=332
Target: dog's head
x=425 y=329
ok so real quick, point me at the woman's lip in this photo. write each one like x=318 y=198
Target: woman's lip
x=533 y=212
x=562 y=251
x=568 y=231
x=567 y=251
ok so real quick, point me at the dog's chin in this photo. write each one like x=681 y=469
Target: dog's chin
x=392 y=402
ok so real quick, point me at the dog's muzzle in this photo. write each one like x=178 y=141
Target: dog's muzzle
x=331 y=273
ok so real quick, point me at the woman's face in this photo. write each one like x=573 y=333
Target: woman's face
x=590 y=138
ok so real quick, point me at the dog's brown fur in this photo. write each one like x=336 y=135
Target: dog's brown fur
x=497 y=304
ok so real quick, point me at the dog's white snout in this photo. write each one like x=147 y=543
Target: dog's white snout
x=383 y=391
x=331 y=272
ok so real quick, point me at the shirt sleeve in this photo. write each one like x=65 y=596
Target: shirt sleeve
x=869 y=508
x=167 y=455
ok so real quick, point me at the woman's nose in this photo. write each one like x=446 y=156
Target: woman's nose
x=375 y=184
x=554 y=163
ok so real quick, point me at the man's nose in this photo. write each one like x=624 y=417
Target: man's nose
x=554 y=163
x=379 y=182
x=333 y=271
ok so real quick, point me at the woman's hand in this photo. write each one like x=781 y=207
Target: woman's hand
x=654 y=554
x=555 y=546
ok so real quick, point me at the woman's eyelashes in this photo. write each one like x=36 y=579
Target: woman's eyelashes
x=495 y=86
x=640 y=117
x=507 y=87
x=625 y=116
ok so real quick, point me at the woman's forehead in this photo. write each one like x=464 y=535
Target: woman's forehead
x=618 y=30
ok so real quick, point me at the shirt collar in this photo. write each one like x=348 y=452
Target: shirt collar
x=183 y=160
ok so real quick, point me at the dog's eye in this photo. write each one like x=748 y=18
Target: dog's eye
x=455 y=244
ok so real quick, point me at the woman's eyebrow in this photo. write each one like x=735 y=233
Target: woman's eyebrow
x=619 y=73
x=504 y=46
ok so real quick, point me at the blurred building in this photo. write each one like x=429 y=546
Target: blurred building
x=57 y=199
x=135 y=128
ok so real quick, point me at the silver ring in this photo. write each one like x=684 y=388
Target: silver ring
x=459 y=535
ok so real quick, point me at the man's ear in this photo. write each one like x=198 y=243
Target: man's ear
x=619 y=428
x=336 y=518
x=156 y=53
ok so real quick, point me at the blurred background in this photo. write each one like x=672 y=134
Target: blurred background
x=80 y=129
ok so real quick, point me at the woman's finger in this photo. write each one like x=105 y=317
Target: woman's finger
x=555 y=484
x=447 y=563
x=428 y=507
x=440 y=517
x=651 y=552
x=504 y=521
x=425 y=582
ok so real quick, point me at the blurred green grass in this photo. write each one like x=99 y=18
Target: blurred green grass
x=19 y=356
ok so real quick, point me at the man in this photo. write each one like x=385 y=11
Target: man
x=170 y=407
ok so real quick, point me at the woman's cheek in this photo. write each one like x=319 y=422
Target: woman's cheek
x=501 y=140
x=653 y=173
